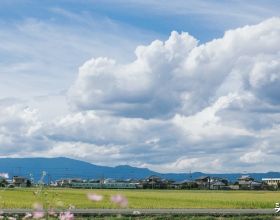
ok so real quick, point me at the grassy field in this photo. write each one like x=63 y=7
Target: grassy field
x=24 y=198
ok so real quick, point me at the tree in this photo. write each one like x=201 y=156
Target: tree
x=3 y=182
x=28 y=183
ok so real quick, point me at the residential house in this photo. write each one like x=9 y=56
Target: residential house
x=20 y=181
x=67 y=182
x=203 y=182
x=185 y=184
x=217 y=183
x=246 y=182
x=155 y=182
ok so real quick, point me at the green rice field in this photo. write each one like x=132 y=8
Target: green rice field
x=62 y=198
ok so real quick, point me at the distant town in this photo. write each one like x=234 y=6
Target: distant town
x=244 y=182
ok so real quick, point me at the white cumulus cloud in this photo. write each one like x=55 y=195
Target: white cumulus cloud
x=214 y=100
x=179 y=105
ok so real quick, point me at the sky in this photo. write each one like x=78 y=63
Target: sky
x=172 y=86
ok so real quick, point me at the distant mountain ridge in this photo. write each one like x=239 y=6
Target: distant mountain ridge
x=62 y=167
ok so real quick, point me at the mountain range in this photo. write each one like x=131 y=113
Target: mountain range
x=61 y=167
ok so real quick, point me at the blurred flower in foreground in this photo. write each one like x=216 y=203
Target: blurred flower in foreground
x=38 y=207
x=38 y=214
x=119 y=200
x=136 y=213
x=38 y=211
x=66 y=216
x=94 y=197
x=12 y=218
x=27 y=216
x=71 y=207
x=51 y=212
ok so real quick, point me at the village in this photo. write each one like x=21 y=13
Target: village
x=244 y=182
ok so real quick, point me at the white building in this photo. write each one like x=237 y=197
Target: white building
x=275 y=182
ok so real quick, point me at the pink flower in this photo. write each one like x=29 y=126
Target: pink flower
x=38 y=211
x=38 y=214
x=66 y=216
x=37 y=206
x=119 y=200
x=94 y=197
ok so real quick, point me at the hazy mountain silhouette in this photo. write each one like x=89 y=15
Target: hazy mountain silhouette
x=61 y=167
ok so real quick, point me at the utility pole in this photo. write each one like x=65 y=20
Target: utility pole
x=190 y=175
x=49 y=179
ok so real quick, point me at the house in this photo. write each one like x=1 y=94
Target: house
x=185 y=184
x=272 y=183
x=217 y=185
x=67 y=182
x=154 y=182
x=20 y=181
x=246 y=182
x=233 y=187
x=203 y=182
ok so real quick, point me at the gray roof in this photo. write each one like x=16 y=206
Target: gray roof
x=183 y=181
x=218 y=183
x=202 y=177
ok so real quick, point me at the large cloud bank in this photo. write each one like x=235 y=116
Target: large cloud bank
x=179 y=105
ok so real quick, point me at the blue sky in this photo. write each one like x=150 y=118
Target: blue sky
x=204 y=19
x=95 y=79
